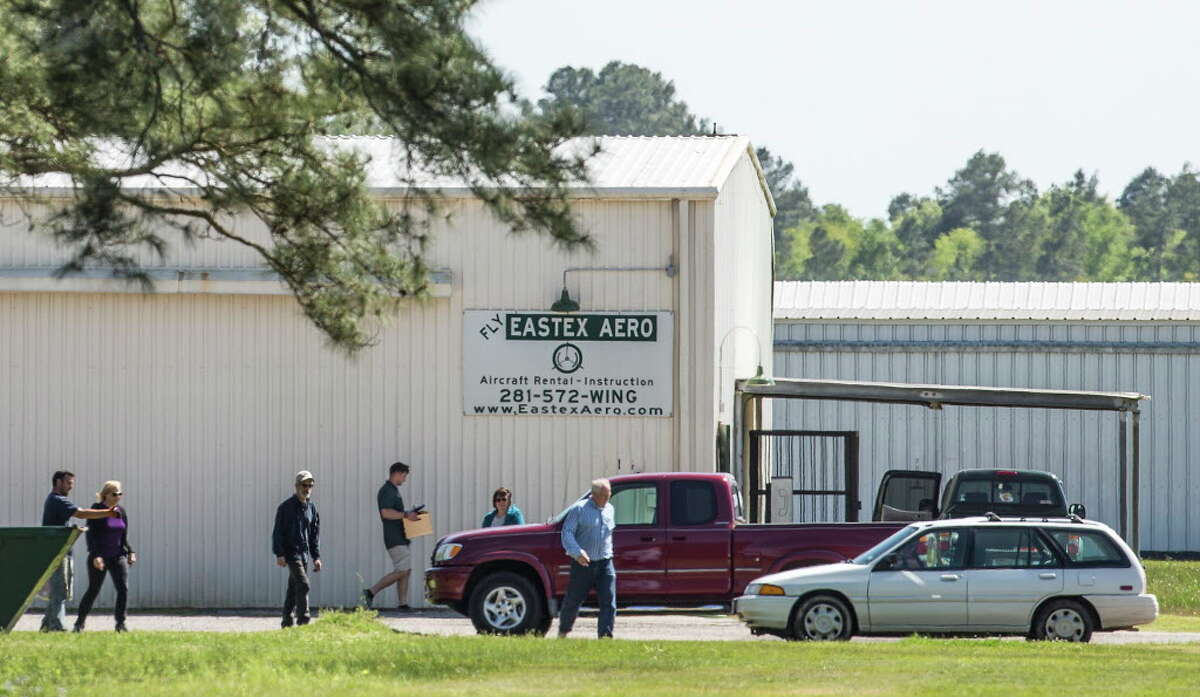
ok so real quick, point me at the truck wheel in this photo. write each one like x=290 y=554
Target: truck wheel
x=822 y=618
x=1063 y=620
x=506 y=603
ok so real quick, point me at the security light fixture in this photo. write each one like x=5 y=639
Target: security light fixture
x=565 y=303
x=760 y=379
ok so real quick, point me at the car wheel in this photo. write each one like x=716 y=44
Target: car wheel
x=507 y=603
x=822 y=618
x=1063 y=620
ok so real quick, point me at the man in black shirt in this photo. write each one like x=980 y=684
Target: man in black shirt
x=297 y=535
x=57 y=511
x=392 y=513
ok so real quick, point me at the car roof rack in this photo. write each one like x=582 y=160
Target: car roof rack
x=992 y=517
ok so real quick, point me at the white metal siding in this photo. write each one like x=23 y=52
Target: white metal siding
x=205 y=407
x=20 y=248
x=744 y=254
x=1081 y=447
x=696 y=293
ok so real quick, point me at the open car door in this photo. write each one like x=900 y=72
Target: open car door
x=907 y=495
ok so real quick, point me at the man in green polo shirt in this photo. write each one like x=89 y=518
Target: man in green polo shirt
x=392 y=513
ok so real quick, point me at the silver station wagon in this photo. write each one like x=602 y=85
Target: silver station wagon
x=1056 y=579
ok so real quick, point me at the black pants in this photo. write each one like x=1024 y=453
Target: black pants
x=296 y=597
x=119 y=568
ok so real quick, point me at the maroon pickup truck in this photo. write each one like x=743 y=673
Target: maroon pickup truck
x=679 y=542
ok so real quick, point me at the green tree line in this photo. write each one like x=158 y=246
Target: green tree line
x=987 y=223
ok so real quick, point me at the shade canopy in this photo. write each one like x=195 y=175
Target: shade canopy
x=937 y=396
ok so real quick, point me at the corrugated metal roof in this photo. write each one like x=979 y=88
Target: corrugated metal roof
x=627 y=167
x=914 y=300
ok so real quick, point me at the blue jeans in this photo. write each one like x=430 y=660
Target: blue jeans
x=56 y=607
x=600 y=575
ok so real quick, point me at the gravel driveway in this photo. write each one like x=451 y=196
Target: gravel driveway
x=705 y=627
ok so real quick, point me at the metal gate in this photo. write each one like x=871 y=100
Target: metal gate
x=811 y=476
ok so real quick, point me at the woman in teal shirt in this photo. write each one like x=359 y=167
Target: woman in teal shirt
x=504 y=512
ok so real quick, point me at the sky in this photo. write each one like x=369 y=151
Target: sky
x=873 y=98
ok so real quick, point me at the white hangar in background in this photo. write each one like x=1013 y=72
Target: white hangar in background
x=207 y=396
x=1129 y=337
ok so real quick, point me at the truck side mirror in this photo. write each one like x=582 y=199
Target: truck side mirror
x=1077 y=509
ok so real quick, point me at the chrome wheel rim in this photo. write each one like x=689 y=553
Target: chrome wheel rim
x=504 y=607
x=823 y=622
x=1065 y=624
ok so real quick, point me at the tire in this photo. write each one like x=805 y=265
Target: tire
x=822 y=618
x=507 y=603
x=1063 y=620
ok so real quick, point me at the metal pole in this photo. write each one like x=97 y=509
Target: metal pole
x=743 y=402
x=739 y=420
x=852 y=477
x=1124 y=476
x=756 y=461
x=1136 y=542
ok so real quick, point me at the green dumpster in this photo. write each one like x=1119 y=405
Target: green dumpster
x=29 y=556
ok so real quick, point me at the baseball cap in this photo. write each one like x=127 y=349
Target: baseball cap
x=303 y=476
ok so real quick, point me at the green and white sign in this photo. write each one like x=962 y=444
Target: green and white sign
x=536 y=363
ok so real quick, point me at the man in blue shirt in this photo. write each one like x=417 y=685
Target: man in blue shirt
x=587 y=539
x=58 y=510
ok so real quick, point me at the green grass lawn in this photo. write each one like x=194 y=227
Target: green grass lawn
x=354 y=655
x=1173 y=623
x=1177 y=585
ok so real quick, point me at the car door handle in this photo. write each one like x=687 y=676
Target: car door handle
x=648 y=538
x=1048 y=576
x=679 y=538
x=949 y=577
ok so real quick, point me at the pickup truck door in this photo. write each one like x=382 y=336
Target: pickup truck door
x=907 y=495
x=699 y=541
x=638 y=540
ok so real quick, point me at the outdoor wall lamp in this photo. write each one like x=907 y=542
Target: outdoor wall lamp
x=759 y=379
x=566 y=304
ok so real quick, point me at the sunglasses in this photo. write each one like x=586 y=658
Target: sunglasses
x=308 y=485
x=118 y=493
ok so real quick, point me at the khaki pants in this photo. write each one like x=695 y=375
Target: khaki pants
x=401 y=556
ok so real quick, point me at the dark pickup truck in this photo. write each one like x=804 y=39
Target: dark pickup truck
x=909 y=495
x=679 y=541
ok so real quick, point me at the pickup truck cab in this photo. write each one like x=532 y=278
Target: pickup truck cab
x=910 y=495
x=680 y=541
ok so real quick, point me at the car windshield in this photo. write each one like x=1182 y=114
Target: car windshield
x=885 y=546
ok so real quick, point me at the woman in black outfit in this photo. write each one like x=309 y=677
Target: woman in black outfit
x=108 y=552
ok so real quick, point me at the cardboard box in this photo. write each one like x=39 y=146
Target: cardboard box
x=417 y=528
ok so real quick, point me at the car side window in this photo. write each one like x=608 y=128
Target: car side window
x=934 y=550
x=693 y=503
x=636 y=504
x=1089 y=548
x=1011 y=548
